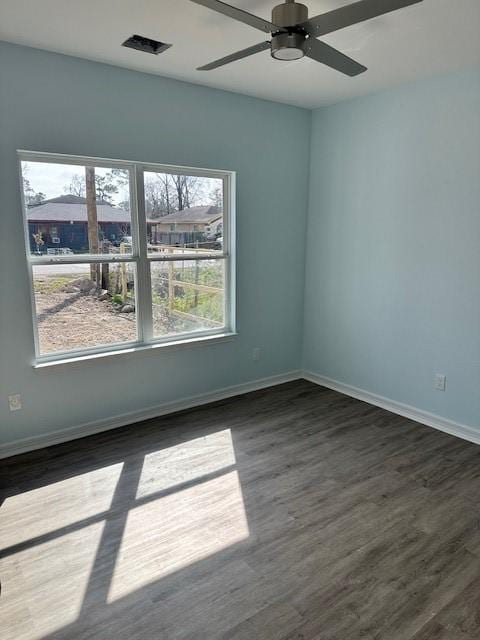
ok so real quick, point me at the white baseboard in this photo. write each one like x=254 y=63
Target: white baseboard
x=418 y=415
x=90 y=428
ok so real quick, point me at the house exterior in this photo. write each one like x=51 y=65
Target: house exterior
x=189 y=226
x=63 y=223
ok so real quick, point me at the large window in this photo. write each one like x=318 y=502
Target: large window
x=125 y=254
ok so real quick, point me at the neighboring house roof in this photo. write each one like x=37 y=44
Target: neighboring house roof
x=194 y=215
x=71 y=208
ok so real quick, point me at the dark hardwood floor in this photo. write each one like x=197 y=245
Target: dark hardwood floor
x=293 y=513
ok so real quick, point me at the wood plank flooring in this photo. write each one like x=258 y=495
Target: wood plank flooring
x=292 y=513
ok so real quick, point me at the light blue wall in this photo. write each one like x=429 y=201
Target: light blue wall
x=393 y=251
x=392 y=271
x=54 y=103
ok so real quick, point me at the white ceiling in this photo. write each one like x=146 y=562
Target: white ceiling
x=432 y=37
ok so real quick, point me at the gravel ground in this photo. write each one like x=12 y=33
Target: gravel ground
x=78 y=320
x=71 y=316
x=68 y=321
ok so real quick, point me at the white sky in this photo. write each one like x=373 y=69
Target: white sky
x=54 y=179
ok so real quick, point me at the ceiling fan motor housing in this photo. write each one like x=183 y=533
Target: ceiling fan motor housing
x=289 y=14
x=288 y=45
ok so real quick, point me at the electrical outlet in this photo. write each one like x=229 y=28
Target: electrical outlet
x=256 y=354
x=15 y=402
x=440 y=382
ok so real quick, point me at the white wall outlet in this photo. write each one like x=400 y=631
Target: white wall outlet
x=440 y=382
x=256 y=354
x=15 y=402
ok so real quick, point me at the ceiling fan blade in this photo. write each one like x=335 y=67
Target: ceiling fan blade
x=238 y=14
x=244 y=53
x=352 y=14
x=324 y=53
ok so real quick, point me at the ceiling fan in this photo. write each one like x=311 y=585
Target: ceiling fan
x=294 y=35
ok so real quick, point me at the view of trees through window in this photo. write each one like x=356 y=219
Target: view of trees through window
x=81 y=237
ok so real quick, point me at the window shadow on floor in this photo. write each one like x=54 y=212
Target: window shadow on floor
x=167 y=553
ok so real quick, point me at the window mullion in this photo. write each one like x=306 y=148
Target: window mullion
x=229 y=235
x=144 y=287
x=180 y=257
x=81 y=259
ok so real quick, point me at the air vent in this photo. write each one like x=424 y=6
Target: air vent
x=140 y=43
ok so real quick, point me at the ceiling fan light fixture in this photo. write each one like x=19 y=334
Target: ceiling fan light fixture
x=288 y=46
x=290 y=53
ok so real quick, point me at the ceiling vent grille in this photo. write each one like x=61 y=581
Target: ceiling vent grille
x=147 y=45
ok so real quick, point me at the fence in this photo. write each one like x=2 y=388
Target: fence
x=196 y=286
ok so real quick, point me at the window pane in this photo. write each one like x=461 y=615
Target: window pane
x=72 y=209
x=184 y=212
x=187 y=296
x=73 y=312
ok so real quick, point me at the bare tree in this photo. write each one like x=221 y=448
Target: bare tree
x=216 y=197
x=76 y=186
x=106 y=185
x=156 y=197
x=187 y=188
x=92 y=221
x=31 y=196
x=166 y=193
x=169 y=200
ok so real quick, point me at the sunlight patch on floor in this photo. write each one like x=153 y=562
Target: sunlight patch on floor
x=178 y=530
x=54 y=603
x=185 y=462
x=62 y=503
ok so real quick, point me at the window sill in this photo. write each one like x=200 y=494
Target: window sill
x=173 y=345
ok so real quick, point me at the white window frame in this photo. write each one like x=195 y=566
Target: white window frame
x=139 y=256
